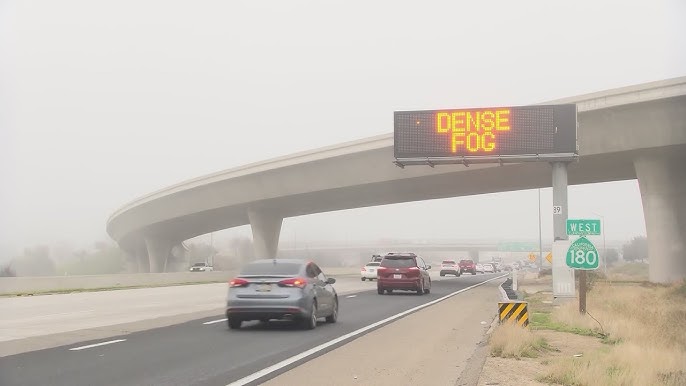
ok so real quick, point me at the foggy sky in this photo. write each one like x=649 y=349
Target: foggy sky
x=105 y=101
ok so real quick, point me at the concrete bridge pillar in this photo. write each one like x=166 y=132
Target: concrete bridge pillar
x=159 y=250
x=142 y=260
x=662 y=180
x=266 y=229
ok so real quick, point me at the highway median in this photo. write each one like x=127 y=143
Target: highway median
x=45 y=285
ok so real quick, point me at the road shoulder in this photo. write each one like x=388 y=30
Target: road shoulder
x=432 y=346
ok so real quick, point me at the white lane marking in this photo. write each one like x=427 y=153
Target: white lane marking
x=215 y=321
x=287 y=362
x=351 y=296
x=96 y=345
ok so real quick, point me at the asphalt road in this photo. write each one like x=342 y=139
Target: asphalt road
x=195 y=353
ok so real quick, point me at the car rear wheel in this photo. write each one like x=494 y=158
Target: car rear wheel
x=310 y=322
x=363 y=279
x=234 y=323
x=379 y=290
x=420 y=290
x=334 y=314
x=442 y=274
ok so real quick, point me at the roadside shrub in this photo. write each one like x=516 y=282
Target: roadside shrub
x=7 y=271
x=511 y=341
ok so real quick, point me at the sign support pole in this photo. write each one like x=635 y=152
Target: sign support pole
x=540 y=234
x=582 y=292
x=560 y=213
x=560 y=200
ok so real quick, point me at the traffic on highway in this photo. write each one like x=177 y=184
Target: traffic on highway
x=278 y=313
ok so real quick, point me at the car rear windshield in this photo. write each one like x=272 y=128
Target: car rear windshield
x=466 y=261
x=448 y=262
x=373 y=264
x=398 y=262
x=199 y=264
x=271 y=268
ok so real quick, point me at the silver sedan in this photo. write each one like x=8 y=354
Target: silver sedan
x=281 y=289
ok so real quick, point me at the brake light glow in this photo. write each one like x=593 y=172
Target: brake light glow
x=294 y=282
x=238 y=282
x=414 y=268
x=364 y=269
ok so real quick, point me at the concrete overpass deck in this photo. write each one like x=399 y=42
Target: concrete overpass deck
x=632 y=132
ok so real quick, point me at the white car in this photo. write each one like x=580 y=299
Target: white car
x=450 y=267
x=369 y=271
x=488 y=268
x=480 y=268
x=201 y=267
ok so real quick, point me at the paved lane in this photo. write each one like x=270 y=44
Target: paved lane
x=195 y=353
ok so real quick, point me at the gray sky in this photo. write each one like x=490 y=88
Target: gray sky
x=104 y=101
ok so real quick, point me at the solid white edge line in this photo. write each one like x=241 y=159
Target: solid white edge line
x=215 y=321
x=286 y=362
x=96 y=345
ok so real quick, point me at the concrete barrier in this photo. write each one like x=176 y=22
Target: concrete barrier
x=40 y=284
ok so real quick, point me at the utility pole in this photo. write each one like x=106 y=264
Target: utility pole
x=540 y=235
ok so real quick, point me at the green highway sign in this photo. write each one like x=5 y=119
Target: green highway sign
x=583 y=227
x=582 y=254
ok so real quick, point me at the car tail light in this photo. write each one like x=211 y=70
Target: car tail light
x=238 y=282
x=294 y=282
x=364 y=269
x=414 y=268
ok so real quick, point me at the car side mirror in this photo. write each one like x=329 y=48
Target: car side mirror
x=330 y=280
x=428 y=267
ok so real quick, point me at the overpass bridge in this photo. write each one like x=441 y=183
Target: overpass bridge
x=627 y=133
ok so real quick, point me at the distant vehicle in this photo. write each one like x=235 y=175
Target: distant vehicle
x=403 y=271
x=376 y=258
x=450 y=267
x=201 y=267
x=480 y=268
x=369 y=271
x=467 y=266
x=281 y=289
x=489 y=268
x=497 y=266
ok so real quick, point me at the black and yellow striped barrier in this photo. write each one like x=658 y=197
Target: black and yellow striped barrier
x=515 y=312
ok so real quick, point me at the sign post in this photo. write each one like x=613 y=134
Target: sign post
x=582 y=255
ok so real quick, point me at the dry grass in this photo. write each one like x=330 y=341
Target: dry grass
x=628 y=272
x=511 y=341
x=648 y=324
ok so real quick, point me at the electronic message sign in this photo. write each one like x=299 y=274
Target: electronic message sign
x=485 y=132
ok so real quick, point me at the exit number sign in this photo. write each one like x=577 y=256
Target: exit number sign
x=583 y=227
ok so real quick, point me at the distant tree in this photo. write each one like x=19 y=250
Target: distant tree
x=105 y=258
x=200 y=252
x=7 y=271
x=611 y=256
x=636 y=249
x=242 y=248
x=35 y=261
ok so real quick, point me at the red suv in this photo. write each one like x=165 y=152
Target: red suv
x=403 y=271
x=467 y=266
